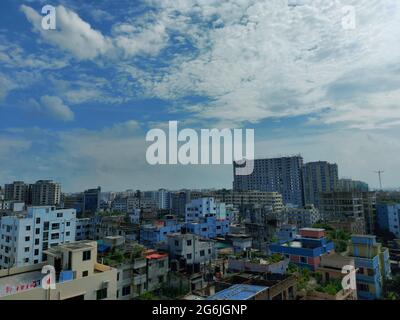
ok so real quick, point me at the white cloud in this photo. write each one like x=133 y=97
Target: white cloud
x=6 y=85
x=77 y=37
x=52 y=107
x=266 y=59
x=72 y=35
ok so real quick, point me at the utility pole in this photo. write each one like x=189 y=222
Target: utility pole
x=379 y=172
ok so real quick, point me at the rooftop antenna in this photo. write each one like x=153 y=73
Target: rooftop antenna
x=379 y=172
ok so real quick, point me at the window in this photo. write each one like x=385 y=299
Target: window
x=27 y=238
x=126 y=290
x=176 y=243
x=36 y=261
x=26 y=249
x=37 y=220
x=68 y=224
x=55 y=236
x=36 y=252
x=67 y=233
x=85 y=273
x=303 y=259
x=101 y=294
x=46 y=226
x=189 y=256
x=161 y=264
x=86 y=255
x=37 y=241
x=55 y=226
x=202 y=253
x=37 y=231
x=26 y=260
x=28 y=228
x=59 y=215
x=189 y=242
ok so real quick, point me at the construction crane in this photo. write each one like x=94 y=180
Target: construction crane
x=379 y=172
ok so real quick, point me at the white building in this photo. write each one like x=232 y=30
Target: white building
x=24 y=237
x=191 y=249
x=200 y=208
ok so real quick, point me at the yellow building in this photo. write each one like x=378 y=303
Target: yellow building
x=78 y=276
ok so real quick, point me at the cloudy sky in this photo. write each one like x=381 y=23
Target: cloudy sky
x=77 y=102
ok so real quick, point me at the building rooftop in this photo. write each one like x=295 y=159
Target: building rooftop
x=238 y=292
x=20 y=282
x=73 y=246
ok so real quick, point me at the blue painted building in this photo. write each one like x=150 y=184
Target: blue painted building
x=372 y=262
x=152 y=234
x=388 y=217
x=209 y=227
x=306 y=249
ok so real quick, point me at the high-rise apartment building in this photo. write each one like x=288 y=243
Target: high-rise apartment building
x=91 y=200
x=283 y=175
x=319 y=177
x=25 y=237
x=17 y=191
x=46 y=193
x=349 y=185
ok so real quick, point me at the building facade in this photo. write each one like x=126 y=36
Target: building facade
x=25 y=237
x=282 y=175
x=372 y=262
x=319 y=177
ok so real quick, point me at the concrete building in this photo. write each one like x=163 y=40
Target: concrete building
x=91 y=201
x=319 y=177
x=349 y=185
x=350 y=225
x=204 y=207
x=341 y=205
x=330 y=269
x=73 y=201
x=372 y=262
x=10 y=206
x=307 y=249
x=25 y=237
x=388 y=217
x=303 y=217
x=243 y=199
x=17 y=191
x=46 y=193
x=282 y=175
x=208 y=227
x=161 y=197
x=84 y=229
x=190 y=252
x=157 y=269
x=78 y=276
x=152 y=234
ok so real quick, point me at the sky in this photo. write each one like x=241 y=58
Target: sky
x=76 y=102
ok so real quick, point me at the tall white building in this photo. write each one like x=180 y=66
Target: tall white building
x=200 y=208
x=24 y=237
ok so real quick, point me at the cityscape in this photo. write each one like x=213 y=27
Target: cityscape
x=184 y=154
x=285 y=232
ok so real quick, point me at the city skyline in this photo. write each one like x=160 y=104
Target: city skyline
x=76 y=102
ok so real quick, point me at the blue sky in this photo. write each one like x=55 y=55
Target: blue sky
x=76 y=102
